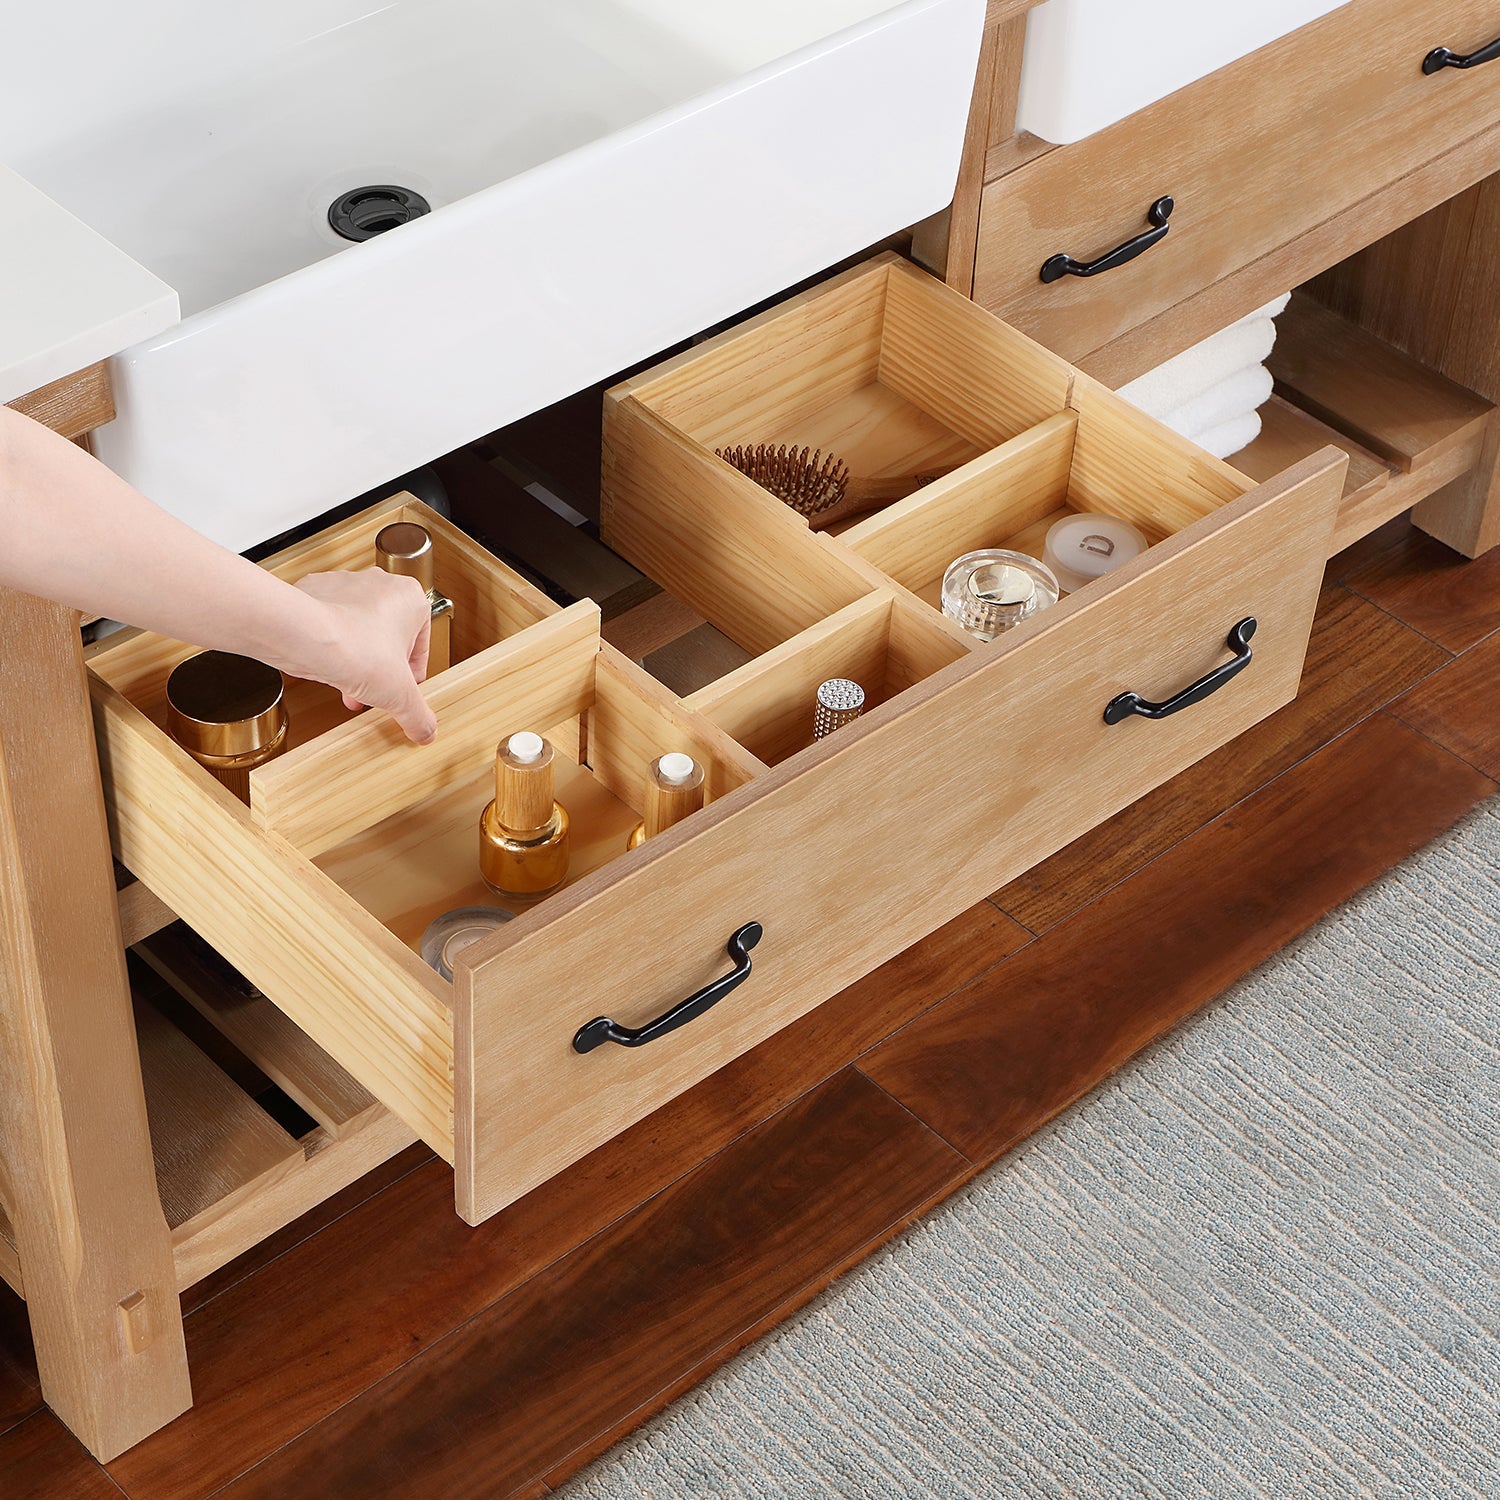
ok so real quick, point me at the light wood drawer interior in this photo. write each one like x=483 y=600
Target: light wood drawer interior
x=319 y=891
x=882 y=641
x=897 y=375
x=1253 y=155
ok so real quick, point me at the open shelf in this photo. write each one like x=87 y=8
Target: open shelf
x=211 y=1141
x=256 y=1030
x=1407 y=429
x=227 y=1172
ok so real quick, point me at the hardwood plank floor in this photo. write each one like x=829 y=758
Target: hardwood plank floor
x=378 y=1342
x=1456 y=707
x=1451 y=600
x=42 y=1460
x=992 y=1063
x=598 y=1340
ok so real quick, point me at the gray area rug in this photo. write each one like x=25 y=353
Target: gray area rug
x=1261 y=1261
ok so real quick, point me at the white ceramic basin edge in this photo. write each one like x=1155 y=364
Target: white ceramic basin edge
x=259 y=413
x=1091 y=63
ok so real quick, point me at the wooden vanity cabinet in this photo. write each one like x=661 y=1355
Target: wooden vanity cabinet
x=972 y=762
x=72 y=406
x=1253 y=156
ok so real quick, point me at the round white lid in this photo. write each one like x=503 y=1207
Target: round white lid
x=676 y=767
x=526 y=747
x=463 y=938
x=1083 y=547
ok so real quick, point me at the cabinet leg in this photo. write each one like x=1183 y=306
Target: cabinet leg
x=1465 y=515
x=95 y=1253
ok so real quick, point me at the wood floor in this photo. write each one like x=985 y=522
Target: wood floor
x=380 y=1348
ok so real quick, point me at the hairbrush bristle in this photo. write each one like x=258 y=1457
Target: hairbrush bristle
x=800 y=477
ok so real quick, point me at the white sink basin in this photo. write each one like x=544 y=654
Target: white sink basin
x=1089 y=63
x=606 y=176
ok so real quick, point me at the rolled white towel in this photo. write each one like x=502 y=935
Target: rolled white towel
x=1245 y=391
x=1196 y=370
x=1273 y=309
x=1231 y=436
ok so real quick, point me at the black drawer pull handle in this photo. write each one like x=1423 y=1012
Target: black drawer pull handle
x=1440 y=58
x=1055 y=267
x=601 y=1029
x=1125 y=704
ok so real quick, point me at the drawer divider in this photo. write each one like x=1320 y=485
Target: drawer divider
x=544 y=675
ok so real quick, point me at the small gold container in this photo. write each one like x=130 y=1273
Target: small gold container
x=228 y=713
x=404 y=548
x=674 y=791
x=523 y=834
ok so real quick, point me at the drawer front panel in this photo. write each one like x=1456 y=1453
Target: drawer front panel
x=1252 y=156
x=856 y=848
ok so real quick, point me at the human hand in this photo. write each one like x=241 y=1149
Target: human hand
x=373 y=644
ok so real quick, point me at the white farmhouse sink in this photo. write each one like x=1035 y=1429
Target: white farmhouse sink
x=1089 y=63
x=606 y=177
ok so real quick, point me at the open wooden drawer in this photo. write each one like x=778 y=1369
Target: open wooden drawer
x=972 y=763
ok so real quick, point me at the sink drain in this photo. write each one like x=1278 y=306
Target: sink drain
x=362 y=213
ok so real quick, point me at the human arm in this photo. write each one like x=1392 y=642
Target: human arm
x=73 y=531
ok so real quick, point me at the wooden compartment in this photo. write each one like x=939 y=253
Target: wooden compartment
x=422 y=860
x=872 y=367
x=491 y=604
x=882 y=642
x=319 y=891
x=894 y=381
x=1095 y=456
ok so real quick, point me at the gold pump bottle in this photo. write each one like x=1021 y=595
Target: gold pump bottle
x=523 y=833
x=228 y=713
x=405 y=548
x=674 y=791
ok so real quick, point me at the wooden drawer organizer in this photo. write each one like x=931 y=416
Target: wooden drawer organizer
x=972 y=763
x=1254 y=155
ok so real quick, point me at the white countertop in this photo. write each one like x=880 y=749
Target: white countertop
x=67 y=296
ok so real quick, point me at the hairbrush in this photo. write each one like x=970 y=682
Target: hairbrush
x=818 y=485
